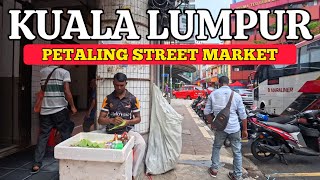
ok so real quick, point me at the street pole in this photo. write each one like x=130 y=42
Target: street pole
x=163 y=88
x=158 y=75
x=170 y=84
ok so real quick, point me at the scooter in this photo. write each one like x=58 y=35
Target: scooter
x=195 y=102
x=201 y=106
x=298 y=134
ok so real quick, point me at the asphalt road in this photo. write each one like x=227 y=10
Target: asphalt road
x=299 y=167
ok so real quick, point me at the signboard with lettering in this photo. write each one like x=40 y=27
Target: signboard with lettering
x=289 y=89
x=253 y=4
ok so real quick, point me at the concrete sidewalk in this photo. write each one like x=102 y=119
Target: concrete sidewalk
x=193 y=163
x=195 y=157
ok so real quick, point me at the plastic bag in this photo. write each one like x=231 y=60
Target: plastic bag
x=165 y=137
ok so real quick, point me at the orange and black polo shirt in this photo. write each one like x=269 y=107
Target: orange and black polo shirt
x=124 y=108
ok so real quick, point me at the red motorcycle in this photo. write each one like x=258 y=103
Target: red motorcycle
x=298 y=134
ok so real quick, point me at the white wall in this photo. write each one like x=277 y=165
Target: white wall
x=141 y=80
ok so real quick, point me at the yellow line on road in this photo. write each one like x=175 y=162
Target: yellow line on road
x=204 y=132
x=314 y=174
x=197 y=121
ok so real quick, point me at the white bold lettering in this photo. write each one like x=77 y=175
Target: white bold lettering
x=153 y=26
x=206 y=21
x=16 y=25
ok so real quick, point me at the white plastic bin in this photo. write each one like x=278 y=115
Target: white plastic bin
x=94 y=163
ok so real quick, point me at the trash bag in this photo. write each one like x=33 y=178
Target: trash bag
x=165 y=140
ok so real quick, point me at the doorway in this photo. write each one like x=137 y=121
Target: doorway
x=15 y=78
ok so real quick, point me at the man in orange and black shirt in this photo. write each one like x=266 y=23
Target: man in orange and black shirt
x=122 y=106
x=128 y=108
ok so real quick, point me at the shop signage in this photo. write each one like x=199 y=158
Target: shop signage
x=253 y=4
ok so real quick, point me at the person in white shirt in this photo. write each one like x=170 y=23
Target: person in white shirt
x=54 y=111
x=217 y=101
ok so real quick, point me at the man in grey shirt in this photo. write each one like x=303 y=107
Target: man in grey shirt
x=54 y=112
x=217 y=101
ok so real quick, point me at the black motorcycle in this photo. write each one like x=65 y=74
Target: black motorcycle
x=195 y=102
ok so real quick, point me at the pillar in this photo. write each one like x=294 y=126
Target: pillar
x=140 y=77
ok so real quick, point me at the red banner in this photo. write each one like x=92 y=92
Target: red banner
x=138 y=54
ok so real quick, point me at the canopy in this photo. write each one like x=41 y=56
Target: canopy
x=237 y=83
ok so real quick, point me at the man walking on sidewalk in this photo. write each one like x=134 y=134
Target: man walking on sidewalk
x=216 y=102
x=54 y=112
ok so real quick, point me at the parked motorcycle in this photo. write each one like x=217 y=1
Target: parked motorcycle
x=297 y=134
x=201 y=106
x=195 y=102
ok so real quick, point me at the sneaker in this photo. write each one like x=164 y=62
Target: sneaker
x=213 y=173
x=233 y=177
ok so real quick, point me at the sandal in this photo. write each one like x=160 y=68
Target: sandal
x=35 y=169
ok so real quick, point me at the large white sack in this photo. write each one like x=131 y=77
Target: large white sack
x=165 y=140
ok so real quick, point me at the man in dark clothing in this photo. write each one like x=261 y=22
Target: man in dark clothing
x=122 y=107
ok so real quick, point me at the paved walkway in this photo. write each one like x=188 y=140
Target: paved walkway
x=193 y=163
x=195 y=157
x=18 y=165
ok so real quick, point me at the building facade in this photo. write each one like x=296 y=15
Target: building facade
x=241 y=73
x=20 y=125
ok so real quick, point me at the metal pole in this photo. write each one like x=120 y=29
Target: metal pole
x=170 y=84
x=163 y=72
x=158 y=75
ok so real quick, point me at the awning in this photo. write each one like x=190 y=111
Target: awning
x=236 y=84
x=214 y=79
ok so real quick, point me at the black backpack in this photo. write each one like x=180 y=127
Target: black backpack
x=220 y=122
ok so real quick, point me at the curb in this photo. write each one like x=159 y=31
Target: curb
x=205 y=130
x=207 y=133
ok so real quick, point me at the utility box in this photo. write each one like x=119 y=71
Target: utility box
x=94 y=163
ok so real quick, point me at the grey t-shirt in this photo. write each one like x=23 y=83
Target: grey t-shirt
x=54 y=99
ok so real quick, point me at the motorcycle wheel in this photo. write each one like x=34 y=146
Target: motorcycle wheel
x=200 y=114
x=263 y=156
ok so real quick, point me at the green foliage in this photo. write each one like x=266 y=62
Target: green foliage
x=259 y=41
x=285 y=28
x=314 y=25
x=272 y=15
x=273 y=25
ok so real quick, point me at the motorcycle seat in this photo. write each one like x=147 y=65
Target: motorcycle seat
x=286 y=127
x=281 y=120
